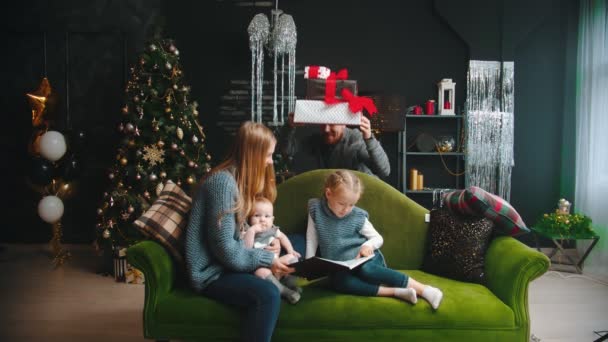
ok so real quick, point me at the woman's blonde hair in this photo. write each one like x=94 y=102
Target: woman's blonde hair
x=254 y=178
x=346 y=179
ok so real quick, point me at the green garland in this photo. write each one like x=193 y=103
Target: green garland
x=566 y=225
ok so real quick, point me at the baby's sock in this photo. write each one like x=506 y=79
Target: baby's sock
x=287 y=293
x=407 y=294
x=433 y=295
x=291 y=282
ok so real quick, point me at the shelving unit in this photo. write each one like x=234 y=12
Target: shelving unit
x=429 y=163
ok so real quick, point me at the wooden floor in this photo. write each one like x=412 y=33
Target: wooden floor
x=73 y=303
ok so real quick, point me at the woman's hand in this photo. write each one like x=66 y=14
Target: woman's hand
x=365 y=251
x=279 y=266
x=274 y=247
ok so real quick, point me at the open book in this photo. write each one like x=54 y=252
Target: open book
x=316 y=267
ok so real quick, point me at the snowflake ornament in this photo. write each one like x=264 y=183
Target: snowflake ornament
x=153 y=155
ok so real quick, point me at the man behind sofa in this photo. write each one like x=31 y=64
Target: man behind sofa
x=334 y=147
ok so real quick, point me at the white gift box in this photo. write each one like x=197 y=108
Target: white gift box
x=318 y=112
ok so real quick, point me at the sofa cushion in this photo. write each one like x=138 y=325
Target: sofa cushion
x=166 y=219
x=464 y=306
x=457 y=245
x=476 y=201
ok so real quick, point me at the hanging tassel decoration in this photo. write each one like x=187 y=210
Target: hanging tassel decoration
x=284 y=40
x=258 y=30
x=489 y=127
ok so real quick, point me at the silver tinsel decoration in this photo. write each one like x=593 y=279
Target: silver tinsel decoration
x=281 y=42
x=258 y=30
x=489 y=135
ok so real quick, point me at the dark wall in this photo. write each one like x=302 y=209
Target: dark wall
x=540 y=37
x=88 y=48
x=390 y=47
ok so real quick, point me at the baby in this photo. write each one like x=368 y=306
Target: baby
x=259 y=234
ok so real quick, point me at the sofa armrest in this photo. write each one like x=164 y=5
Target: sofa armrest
x=510 y=266
x=157 y=265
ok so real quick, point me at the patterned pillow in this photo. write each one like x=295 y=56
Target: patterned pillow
x=167 y=218
x=476 y=201
x=456 y=245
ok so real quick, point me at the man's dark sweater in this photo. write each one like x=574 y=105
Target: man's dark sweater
x=351 y=152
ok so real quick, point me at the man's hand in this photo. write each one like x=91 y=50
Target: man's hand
x=274 y=247
x=365 y=251
x=366 y=127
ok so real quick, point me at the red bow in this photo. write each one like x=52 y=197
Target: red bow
x=355 y=103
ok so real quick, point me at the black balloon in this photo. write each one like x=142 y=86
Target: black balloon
x=41 y=171
x=72 y=168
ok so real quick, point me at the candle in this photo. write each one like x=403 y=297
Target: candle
x=430 y=107
x=413 y=179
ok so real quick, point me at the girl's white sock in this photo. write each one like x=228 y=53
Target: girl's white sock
x=433 y=295
x=407 y=294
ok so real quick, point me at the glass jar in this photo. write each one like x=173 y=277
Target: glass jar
x=445 y=143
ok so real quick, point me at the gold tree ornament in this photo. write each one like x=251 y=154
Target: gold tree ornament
x=38 y=100
x=153 y=155
x=159 y=188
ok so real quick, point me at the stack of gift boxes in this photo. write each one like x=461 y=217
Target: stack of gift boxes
x=331 y=98
x=123 y=271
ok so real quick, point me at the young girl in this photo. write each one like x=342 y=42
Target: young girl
x=259 y=234
x=343 y=232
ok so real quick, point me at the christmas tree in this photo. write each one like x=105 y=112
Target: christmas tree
x=162 y=141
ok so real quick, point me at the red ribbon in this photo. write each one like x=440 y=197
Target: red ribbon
x=313 y=71
x=355 y=103
x=330 y=85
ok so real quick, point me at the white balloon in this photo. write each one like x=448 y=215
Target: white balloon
x=50 y=209
x=52 y=145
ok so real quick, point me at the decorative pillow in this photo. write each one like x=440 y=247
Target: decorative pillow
x=476 y=201
x=167 y=218
x=456 y=245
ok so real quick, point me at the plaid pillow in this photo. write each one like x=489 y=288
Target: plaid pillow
x=476 y=201
x=167 y=218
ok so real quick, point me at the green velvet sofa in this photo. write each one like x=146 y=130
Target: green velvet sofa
x=469 y=312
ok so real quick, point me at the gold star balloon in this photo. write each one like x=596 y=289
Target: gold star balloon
x=38 y=100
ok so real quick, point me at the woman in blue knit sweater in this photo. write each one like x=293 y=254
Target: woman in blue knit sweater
x=219 y=265
x=343 y=232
